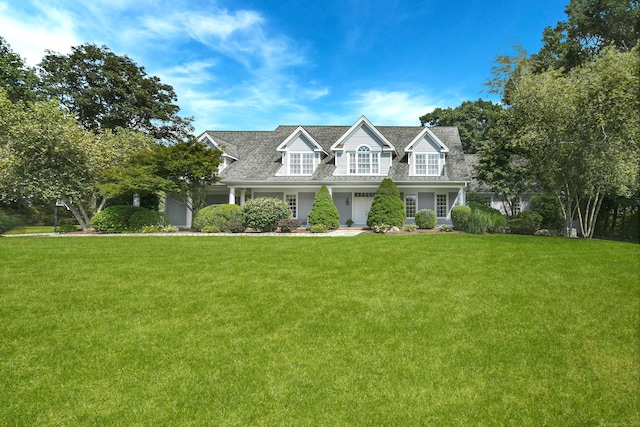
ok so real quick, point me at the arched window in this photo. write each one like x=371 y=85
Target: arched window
x=364 y=161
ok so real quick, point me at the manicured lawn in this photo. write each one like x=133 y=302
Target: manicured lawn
x=370 y=330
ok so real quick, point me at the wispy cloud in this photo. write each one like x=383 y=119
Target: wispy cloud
x=392 y=107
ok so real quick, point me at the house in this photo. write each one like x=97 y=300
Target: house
x=292 y=163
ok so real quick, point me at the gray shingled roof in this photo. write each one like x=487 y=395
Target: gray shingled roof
x=259 y=161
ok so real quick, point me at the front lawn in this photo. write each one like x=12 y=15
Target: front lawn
x=430 y=329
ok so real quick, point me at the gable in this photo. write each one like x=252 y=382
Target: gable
x=300 y=141
x=363 y=133
x=426 y=142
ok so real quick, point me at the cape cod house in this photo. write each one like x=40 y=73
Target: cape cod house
x=292 y=163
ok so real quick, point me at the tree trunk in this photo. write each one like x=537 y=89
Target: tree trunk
x=79 y=215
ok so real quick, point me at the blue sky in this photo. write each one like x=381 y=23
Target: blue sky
x=255 y=64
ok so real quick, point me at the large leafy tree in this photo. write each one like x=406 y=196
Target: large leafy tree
x=591 y=26
x=474 y=120
x=17 y=79
x=46 y=155
x=188 y=167
x=580 y=133
x=107 y=91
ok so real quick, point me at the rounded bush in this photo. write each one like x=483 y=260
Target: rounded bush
x=426 y=219
x=263 y=214
x=114 y=219
x=387 y=207
x=146 y=218
x=217 y=218
x=324 y=211
x=318 y=228
x=460 y=216
x=527 y=222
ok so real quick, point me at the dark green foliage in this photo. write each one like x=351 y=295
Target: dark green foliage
x=289 y=225
x=324 y=211
x=8 y=222
x=460 y=216
x=473 y=119
x=426 y=219
x=387 y=207
x=114 y=219
x=217 y=218
x=527 y=222
x=144 y=218
x=550 y=210
x=148 y=200
x=107 y=91
x=236 y=227
x=16 y=78
x=263 y=214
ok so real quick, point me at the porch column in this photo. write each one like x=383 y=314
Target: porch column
x=243 y=193
x=330 y=190
x=462 y=196
x=232 y=195
x=189 y=211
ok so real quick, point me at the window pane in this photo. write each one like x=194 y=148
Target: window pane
x=410 y=205
x=432 y=164
x=364 y=160
x=352 y=162
x=374 y=163
x=294 y=164
x=307 y=163
x=421 y=164
x=292 y=201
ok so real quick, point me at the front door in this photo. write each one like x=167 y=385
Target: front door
x=361 y=205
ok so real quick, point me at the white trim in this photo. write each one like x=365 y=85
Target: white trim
x=426 y=131
x=300 y=131
x=362 y=121
x=212 y=143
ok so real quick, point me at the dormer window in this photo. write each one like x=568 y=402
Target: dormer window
x=428 y=164
x=301 y=163
x=364 y=161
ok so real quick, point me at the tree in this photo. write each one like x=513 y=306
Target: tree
x=107 y=91
x=579 y=131
x=473 y=119
x=324 y=211
x=591 y=26
x=188 y=167
x=18 y=80
x=502 y=166
x=387 y=207
x=45 y=154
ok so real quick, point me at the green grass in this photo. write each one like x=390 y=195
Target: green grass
x=370 y=330
x=32 y=229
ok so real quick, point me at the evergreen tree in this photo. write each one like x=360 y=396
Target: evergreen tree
x=324 y=211
x=387 y=207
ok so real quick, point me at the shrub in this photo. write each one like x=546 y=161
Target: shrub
x=485 y=219
x=381 y=228
x=114 y=219
x=324 y=211
x=410 y=227
x=318 y=228
x=263 y=214
x=426 y=219
x=8 y=222
x=550 y=210
x=460 y=217
x=527 y=222
x=288 y=225
x=387 y=207
x=145 y=218
x=216 y=218
x=446 y=228
x=236 y=227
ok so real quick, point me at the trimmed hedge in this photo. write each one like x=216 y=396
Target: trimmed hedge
x=426 y=219
x=324 y=211
x=146 y=218
x=217 y=218
x=263 y=214
x=460 y=216
x=387 y=207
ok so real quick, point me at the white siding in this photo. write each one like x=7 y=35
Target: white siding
x=425 y=145
x=341 y=163
x=363 y=136
x=300 y=144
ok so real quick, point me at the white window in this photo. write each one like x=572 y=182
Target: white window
x=301 y=163
x=292 y=201
x=364 y=161
x=441 y=205
x=410 y=205
x=426 y=164
x=433 y=166
x=421 y=164
x=307 y=163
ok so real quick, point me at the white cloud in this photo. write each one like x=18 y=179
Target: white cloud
x=394 y=108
